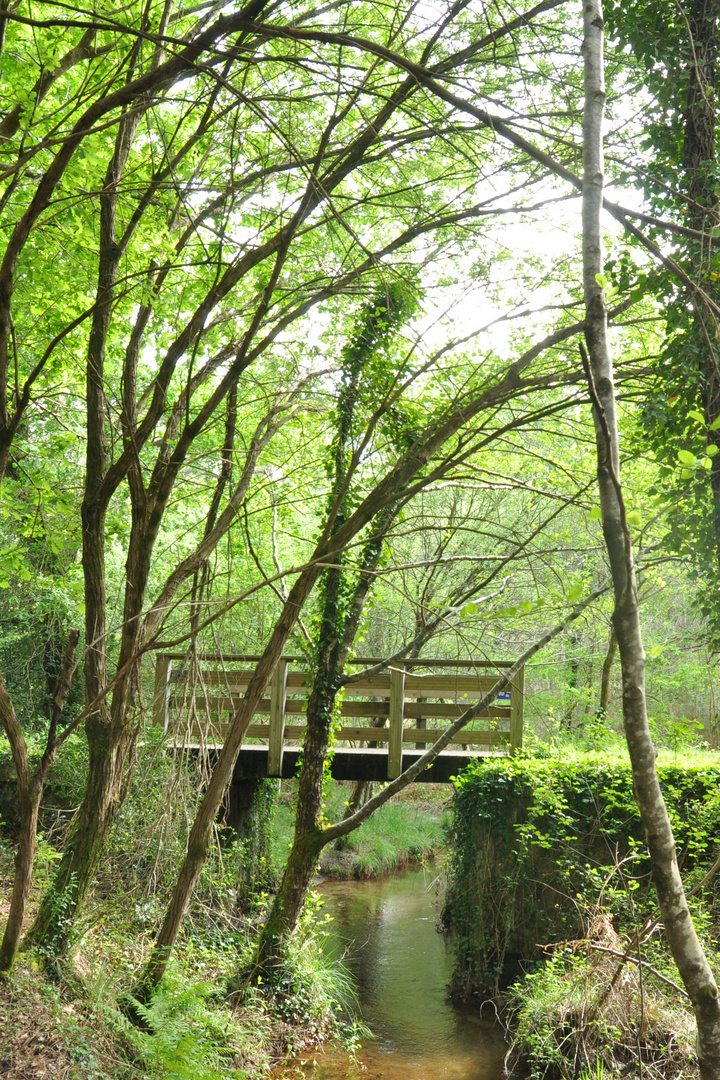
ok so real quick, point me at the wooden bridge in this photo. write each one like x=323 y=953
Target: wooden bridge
x=388 y=719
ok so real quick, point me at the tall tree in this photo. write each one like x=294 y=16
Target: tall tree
x=685 y=946
x=242 y=174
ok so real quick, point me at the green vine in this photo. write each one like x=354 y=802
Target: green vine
x=537 y=843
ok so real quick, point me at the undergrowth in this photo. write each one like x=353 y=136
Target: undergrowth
x=584 y=1015
x=408 y=830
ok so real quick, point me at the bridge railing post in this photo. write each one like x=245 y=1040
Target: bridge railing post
x=276 y=734
x=397 y=712
x=517 y=701
x=161 y=691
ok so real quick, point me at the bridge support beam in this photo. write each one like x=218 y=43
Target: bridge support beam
x=353 y=763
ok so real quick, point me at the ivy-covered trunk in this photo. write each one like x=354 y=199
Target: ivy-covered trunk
x=308 y=841
x=699 y=159
x=342 y=603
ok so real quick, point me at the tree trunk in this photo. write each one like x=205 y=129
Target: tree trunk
x=52 y=927
x=699 y=162
x=360 y=789
x=290 y=897
x=682 y=938
x=30 y=789
x=307 y=841
x=201 y=830
x=606 y=674
x=108 y=733
x=29 y=796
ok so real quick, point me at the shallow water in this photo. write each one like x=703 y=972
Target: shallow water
x=402 y=967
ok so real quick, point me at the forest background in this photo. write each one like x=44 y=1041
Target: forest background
x=290 y=304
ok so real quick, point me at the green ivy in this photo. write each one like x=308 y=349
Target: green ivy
x=538 y=843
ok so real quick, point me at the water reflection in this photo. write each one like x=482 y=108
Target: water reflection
x=402 y=967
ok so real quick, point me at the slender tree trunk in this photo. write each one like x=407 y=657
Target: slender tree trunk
x=30 y=789
x=307 y=841
x=360 y=788
x=290 y=897
x=606 y=673
x=29 y=804
x=108 y=734
x=682 y=938
x=83 y=851
x=201 y=830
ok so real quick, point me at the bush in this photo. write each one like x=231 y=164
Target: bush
x=534 y=838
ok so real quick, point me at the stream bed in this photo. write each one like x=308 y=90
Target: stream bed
x=402 y=966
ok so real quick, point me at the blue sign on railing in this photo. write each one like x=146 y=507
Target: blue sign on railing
x=504 y=695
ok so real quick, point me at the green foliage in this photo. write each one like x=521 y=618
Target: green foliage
x=533 y=838
x=395 y=835
x=567 y=1023
x=189 y=1039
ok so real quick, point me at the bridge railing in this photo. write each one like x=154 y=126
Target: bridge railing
x=410 y=704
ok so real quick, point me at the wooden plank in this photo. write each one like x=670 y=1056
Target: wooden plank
x=363 y=734
x=421 y=722
x=397 y=701
x=423 y=686
x=517 y=701
x=474 y=738
x=448 y=685
x=355 y=709
x=202 y=733
x=296 y=732
x=238 y=680
x=450 y=711
x=358 y=661
x=161 y=692
x=229 y=702
x=277 y=718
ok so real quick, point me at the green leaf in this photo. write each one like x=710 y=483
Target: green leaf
x=634 y=517
x=695 y=414
x=469 y=609
x=706 y=463
x=712 y=450
x=602 y=280
x=655 y=650
x=525 y=605
x=575 y=593
x=595 y=514
x=686 y=458
x=685 y=474
x=715 y=424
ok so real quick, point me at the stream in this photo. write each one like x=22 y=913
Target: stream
x=402 y=966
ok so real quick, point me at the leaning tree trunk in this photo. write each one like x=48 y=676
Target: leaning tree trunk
x=682 y=938
x=30 y=783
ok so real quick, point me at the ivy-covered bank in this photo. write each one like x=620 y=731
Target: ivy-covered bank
x=541 y=846
x=552 y=904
